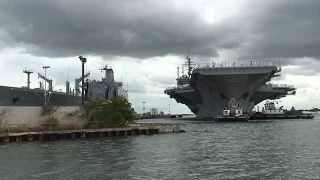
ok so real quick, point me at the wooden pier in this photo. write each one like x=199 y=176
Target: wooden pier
x=131 y=130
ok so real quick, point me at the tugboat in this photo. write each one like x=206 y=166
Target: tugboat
x=271 y=112
x=234 y=113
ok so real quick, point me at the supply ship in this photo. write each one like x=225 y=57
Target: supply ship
x=208 y=87
x=106 y=88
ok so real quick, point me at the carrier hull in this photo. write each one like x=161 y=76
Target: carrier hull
x=211 y=86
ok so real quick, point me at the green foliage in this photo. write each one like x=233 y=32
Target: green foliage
x=115 y=112
x=48 y=110
x=52 y=122
x=74 y=114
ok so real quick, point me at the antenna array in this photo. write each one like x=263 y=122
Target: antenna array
x=189 y=63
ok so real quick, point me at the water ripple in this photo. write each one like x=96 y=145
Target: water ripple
x=208 y=150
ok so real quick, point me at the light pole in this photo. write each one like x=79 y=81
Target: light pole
x=49 y=97
x=83 y=60
x=169 y=109
x=45 y=84
x=143 y=106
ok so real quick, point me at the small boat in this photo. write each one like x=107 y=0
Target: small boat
x=232 y=113
x=270 y=111
x=307 y=115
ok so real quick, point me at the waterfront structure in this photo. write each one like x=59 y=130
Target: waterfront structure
x=51 y=133
x=154 y=111
x=209 y=86
x=107 y=88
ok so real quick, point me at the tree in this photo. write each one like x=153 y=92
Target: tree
x=110 y=113
x=51 y=121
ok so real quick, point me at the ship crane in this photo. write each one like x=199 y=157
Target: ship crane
x=49 y=81
x=77 y=81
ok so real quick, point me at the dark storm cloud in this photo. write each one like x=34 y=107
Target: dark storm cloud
x=261 y=30
x=124 y=28
x=281 y=29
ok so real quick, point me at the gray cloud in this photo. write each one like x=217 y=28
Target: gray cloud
x=117 y=30
x=142 y=29
x=280 y=29
x=125 y=28
x=135 y=87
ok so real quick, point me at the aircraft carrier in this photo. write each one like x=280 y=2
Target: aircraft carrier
x=208 y=87
x=106 y=88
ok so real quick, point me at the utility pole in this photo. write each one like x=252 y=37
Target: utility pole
x=45 y=84
x=143 y=106
x=83 y=60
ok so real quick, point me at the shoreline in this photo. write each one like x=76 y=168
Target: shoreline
x=131 y=130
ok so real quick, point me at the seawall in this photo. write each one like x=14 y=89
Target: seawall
x=32 y=115
x=130 y=130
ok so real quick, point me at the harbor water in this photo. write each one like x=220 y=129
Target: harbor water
x=277 y=149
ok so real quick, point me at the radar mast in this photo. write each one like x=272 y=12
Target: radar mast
x=105 y=68
x=28 y=72
x=190 y=64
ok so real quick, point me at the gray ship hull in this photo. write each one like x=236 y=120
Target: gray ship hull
x=13 y=96
x=210 y=88
x=190 y=97
x=219 y=87
x=272 y=92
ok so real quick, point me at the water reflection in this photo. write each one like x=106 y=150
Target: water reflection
x=208 y=150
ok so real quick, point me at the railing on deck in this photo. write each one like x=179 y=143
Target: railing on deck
x=282 y=86
x=171 y=88
x=233 y=64
x=184 y=87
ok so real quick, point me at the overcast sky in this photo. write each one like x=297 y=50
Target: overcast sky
x=144 y=41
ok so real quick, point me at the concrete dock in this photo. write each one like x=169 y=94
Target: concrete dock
x=131 y=130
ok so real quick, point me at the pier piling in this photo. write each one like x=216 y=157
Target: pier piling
x=130 y=130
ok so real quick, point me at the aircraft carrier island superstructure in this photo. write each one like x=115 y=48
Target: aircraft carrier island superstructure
x=107 y=88
x=209 y=86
